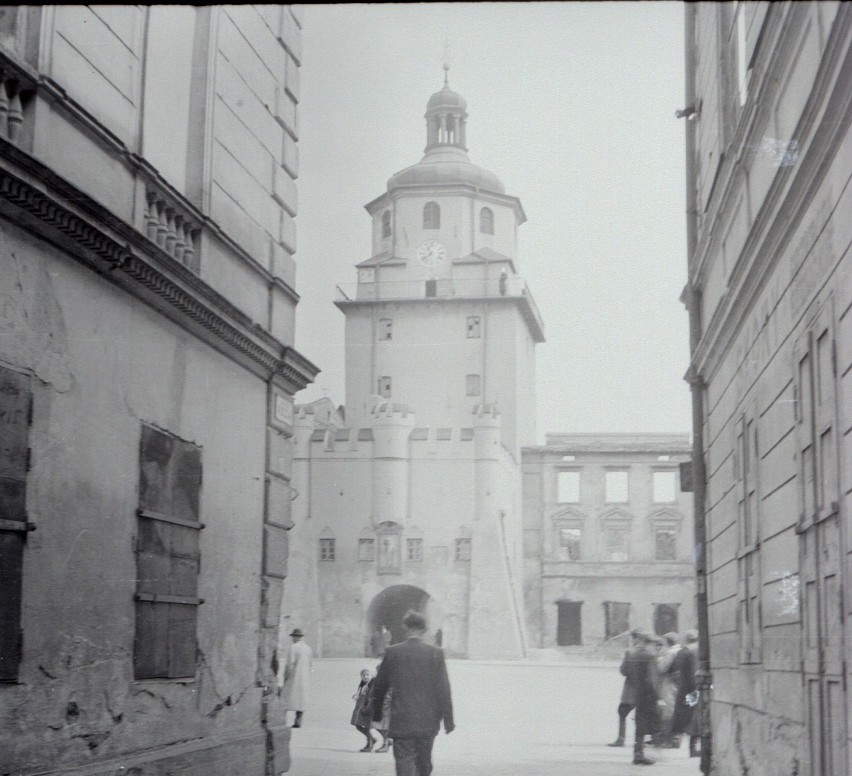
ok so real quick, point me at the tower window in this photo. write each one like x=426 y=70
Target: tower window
x=431 y=216
x=473 y=385
x=385 y=328
x=486 y=220
x=386 y=224
x=385 y=387
x=414 y=549
x=326 y=549
x=474 y=327
x=463 y=549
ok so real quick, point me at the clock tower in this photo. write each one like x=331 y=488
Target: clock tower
x=440 y=320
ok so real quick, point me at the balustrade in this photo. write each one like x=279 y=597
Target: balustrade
x=14 y=93
x=171 y=228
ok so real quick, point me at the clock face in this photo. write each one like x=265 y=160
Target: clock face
x=431 y=253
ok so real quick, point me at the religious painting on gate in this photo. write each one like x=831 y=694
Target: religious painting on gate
x=389 y=555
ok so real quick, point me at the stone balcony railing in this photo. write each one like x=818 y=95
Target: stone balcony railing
x=171 y=227
x=445 y=288
x=16 y=90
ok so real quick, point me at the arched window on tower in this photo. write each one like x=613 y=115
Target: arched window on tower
x=486 y=220
x=386 y=224
x=431 y=216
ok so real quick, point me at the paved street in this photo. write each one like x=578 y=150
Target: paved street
x=518 y=719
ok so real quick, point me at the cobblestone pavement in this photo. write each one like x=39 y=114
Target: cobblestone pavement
x=512 y=719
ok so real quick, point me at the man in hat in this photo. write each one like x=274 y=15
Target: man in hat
x=297 y=674
x=628 y=692
x=640 y=669
x=417 y=672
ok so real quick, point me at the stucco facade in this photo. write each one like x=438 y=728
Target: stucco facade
x=608 y=539
x=769 y=294
x=415 y=501
x=147 y=168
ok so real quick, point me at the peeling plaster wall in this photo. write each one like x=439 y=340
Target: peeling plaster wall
x=76 y=700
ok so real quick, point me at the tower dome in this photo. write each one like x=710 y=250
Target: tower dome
x=446 y=160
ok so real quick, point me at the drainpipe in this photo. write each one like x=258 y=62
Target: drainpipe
x=704 y=678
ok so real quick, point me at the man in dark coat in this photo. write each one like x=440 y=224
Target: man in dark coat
x=628 y=693
x=685 y=718
x=640 y=669
x=421 y=698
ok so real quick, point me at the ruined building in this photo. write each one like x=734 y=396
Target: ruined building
x=767 y=112
x=147 y=195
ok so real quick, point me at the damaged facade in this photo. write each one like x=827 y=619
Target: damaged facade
x=770 y=302
x=608 y=538
x=147 y=167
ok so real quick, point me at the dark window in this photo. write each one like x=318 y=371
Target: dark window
x=569 y=632
x=486 y=221
x=474 y=327
x=326 y=549
x=617 y=617
x=15 y=408
x=366 y=549
x=431 y=216
x=385 y=328
x=665 y=618
x=386 y=224
x=385 y=387
x=167 y=556
x=462 y=549
x=431 y=287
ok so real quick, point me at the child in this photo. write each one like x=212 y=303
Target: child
x=362 y=712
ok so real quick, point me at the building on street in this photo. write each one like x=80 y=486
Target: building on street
x=147 y=169
x=415 y=501
x=608 y=538
x=770 y=302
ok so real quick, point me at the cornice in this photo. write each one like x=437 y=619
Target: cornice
x=100 y=241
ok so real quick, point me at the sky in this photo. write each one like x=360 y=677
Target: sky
x=572 y=105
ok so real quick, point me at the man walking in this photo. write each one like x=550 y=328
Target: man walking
x=297 y=674
x=628 y=692
x=421 y=698
x=640 y=669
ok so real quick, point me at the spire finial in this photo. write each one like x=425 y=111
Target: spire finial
x=446 y=75
x=446 y=63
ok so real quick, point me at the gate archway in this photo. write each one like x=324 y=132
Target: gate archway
x=388 y=608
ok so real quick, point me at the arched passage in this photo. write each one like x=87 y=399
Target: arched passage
x=388 y=609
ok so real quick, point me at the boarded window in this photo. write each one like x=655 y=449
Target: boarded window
x=367 y=549
x=386 y=224
x=474 y=327
x=568 y=487
x=414 y=549
x=431 y=216
x=167 y=556
x=326 y=549
x=385 y=328
x=617 y=618
x=15 y=405
x=665 y=618
x=486 y=221
x=463 y=549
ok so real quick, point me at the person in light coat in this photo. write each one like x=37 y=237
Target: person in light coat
x=297 y=676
